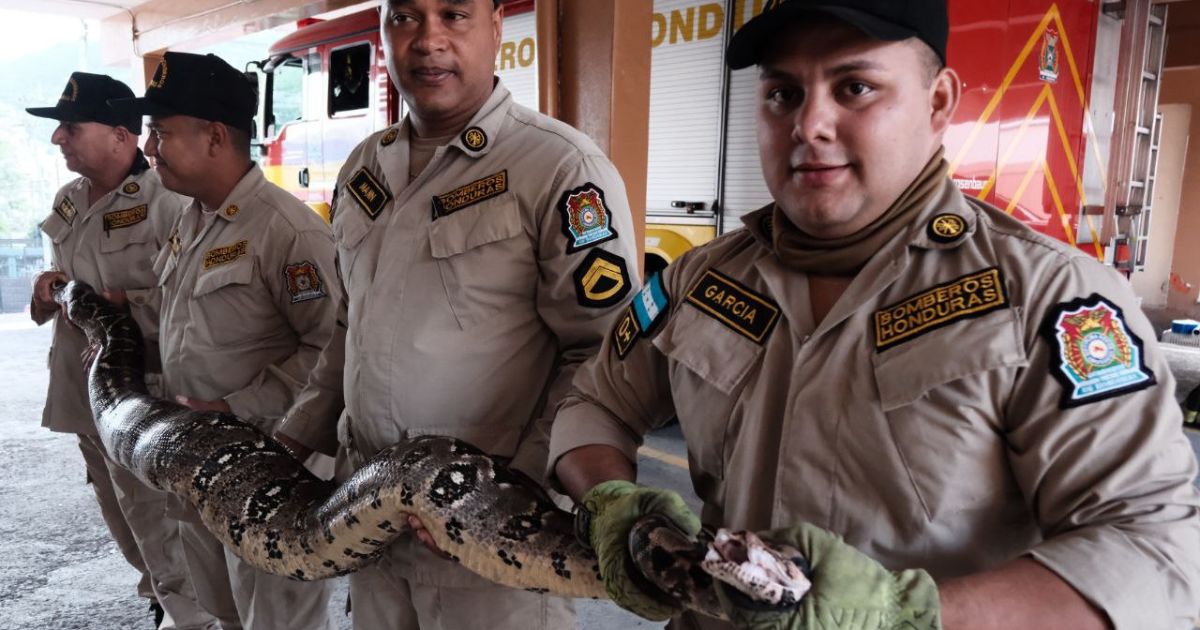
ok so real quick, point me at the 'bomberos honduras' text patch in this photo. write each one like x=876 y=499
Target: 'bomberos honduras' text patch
x=748 y=313
x=970 y=296
x=471 y=194
x=227 y=254
x=124 y=218
x=1095 y=355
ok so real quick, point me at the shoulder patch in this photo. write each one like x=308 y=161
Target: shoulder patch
x=946 y=228
x=586 y=220
x=474 y=139
x=227 y=254
x=601 y=280
x=66 y=210
x=641 y=317
x=1095 y=355
x=124 y=218
x=389 y=136
x=131 y=188
x=303 y=282
x=369 y=193
x=471 y=194
x=970 y=296
x=744 y=311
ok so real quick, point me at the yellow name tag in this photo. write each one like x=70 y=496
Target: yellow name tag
x=969 y=296
x=227 y=254
x=473 y=193
x=124 y=218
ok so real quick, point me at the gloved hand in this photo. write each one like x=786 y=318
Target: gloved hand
x=850 y=591
x=612 y=508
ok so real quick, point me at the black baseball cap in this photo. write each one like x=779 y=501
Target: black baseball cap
x=888 y=20
x=85 y=99
x=201 y=86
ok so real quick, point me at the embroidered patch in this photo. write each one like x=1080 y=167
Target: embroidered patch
x=1095 y=355
x=946 y=228
x=389 y=137
x=66 y=210
x=232 y=211
x=970 y=296
x=586 y=220
x=227 y=254
x=369 y=193
x=601 y=280
x=744 y=311
x=303 y=282
x=640 y=318
x=124 y=218
x=175 y=242
x=471 y=194
x=131 y=188
x=474 y=139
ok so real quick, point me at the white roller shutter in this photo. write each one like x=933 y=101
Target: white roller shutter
x=685 y=104
x=516 y=63
x=745 y=189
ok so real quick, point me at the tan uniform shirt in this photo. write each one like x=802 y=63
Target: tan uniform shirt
x=924 y=418
x=110 y=245
x=474 y=291
x=249 y=299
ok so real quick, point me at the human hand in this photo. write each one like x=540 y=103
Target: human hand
x=850 y=591
x=44 y=306
x=611 y=509
x=204 y=405
x=423 y=535
x=116 y=296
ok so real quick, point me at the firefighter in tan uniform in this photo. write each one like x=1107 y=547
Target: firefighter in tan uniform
x=249 y=300
x=484 y=249
x=106 y=228
x=959 y=422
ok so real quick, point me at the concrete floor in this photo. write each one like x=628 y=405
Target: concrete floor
x=59 y=570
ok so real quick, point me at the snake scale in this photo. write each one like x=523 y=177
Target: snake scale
x=275 y=515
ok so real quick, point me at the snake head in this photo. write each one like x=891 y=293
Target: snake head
x=774 y=576
x=74 y=295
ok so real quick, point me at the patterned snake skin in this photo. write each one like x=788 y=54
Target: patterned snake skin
x=266 y=507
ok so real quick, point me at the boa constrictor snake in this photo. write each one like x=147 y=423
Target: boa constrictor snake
x=275 y=515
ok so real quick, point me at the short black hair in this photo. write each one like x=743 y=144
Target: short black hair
x=930 y=61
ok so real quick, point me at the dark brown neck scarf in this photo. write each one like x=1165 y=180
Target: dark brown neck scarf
x=847 y=255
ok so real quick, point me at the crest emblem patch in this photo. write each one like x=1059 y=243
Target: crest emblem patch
x=1048 y=60
x=586 y=220
x=303 y=282
x=1095 y=355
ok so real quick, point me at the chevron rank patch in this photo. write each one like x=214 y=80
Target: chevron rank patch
x=1095 y=355
x=124 y=218
x=641 y=317
x=303 y=282
x=601 y=280
x=66 y=210
x=369 y=193
x=744 y=311
x=586 y=220
x=970 y=296
x=471 y=194
x=225 y=255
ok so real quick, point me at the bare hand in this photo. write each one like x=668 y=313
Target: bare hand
x=298 y=450
x=423 y=535
x=204 y=405
x=89 y=355
x=116 y=296
x=44 y=305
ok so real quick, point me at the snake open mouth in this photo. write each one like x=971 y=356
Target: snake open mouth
x=771 y=575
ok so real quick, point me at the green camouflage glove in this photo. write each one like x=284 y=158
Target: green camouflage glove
x=850 y=591
x=611 y=509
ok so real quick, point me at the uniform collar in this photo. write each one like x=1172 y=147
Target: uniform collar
x=133 y=184
x=232 y=208
x=488 y=121
x=943 y=211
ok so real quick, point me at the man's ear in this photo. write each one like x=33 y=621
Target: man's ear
x=944 y=94
x=218 y=137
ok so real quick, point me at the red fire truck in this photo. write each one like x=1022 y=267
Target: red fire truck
x=1057 y=124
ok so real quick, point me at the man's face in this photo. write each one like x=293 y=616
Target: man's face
x=87 y=147
x=179 y=149
x=845 y=123
x=441 y=54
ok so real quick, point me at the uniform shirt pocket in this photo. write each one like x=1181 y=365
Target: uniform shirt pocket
x=714 y=362
x=225 y=302
x=350 y=225
x=483 y=264
x=943 y=397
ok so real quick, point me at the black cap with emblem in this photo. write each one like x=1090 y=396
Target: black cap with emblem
x=888 y=20
x=85 y=99
x=200 y=86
